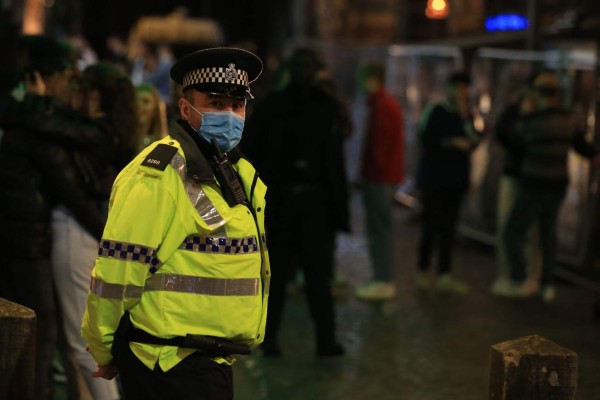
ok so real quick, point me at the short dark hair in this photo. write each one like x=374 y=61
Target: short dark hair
x=303 y=65
x=459 y=77
x=546 y=88
x=374 y=70
x=535 y=74
x=44 y=54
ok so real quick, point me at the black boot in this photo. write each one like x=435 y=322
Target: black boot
x=330 y=349
x=271 y=349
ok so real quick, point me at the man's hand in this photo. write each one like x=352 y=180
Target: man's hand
x=459 y=143
x=108 y=371
x=35 y=84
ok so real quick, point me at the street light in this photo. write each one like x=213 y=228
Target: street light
x=33 y=17
x=437 y=9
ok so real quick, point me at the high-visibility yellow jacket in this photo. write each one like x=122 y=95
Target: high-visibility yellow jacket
x=177 y=257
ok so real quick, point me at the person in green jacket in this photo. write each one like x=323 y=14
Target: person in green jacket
x=181 y=281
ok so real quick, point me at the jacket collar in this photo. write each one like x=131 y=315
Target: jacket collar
x=196 y=160
x=197 y=151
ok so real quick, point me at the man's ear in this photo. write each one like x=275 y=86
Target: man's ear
x=184 y=109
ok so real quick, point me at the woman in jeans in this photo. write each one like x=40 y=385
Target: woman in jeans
x=87 y=148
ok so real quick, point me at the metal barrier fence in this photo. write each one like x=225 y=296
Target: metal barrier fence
x=416 y=75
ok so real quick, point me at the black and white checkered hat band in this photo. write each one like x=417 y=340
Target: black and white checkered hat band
x=216 y=75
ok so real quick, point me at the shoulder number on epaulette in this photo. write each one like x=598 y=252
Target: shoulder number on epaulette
x=160 y=157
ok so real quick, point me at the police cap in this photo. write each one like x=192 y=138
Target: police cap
x=222 y=71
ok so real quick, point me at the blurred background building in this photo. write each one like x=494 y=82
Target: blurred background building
x=500 y=42
x=271 y=23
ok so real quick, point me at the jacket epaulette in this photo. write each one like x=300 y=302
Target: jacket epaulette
x=160 y=156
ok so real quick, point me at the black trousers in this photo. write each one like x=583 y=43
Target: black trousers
x=196 y=377
x=301 y=234
x=533 y=204
x=440 y=214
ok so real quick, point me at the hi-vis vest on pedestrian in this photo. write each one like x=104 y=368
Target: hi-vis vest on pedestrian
x=179 y=259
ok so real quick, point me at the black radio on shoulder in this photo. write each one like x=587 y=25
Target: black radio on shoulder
x=228 y=179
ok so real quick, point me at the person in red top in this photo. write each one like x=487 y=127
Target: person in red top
x=381 y=170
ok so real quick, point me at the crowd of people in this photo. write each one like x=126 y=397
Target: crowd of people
x=66 y=135
x=87 y=156
x=537 y=134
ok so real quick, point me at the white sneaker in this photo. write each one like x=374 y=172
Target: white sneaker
x=498 y=284
x=548 y=294
x=448 y=284
x=508 y=288
x=376 y=291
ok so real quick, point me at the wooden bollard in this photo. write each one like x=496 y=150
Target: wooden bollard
x=17 y=351
x=532 y=368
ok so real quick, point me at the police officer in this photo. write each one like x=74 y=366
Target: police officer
x=182 y=269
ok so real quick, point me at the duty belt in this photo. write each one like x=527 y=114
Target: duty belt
x=211 y=345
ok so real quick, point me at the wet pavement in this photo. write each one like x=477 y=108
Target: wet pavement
x=421 y=345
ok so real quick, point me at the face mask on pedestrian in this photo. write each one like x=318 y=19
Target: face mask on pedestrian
x=224 y=126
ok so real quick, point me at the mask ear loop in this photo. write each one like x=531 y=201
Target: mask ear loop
x=198 y=112
x=191 y=126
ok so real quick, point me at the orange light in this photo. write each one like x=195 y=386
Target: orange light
x=437 y=9
x=33 y=17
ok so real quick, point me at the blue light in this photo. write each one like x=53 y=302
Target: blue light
x=506 y=22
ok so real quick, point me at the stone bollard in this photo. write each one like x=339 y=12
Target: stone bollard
x=532 y=368
x=17 y=351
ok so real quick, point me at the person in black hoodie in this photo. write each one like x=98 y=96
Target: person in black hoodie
x=84 y=151
x=58 y=165
x=25 y=205
x=507 y=188
x=294 y=141
x=447 y=138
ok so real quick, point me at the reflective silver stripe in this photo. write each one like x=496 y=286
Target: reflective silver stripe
x=199 y=199
x=126 y=251
x=201 y=285
x=267 y=285
x=177 y=283
x=203 y=205
x=220 y=245
x=115 y=290
x=178 y=162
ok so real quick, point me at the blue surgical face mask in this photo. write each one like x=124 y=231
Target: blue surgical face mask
x=224 y=126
